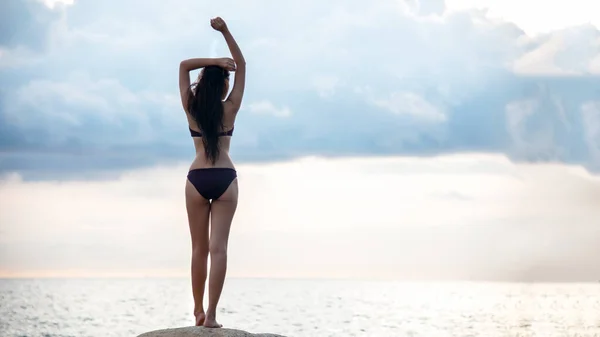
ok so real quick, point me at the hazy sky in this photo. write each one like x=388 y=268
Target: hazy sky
x=404 y=139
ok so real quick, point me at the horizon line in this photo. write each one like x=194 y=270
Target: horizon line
x=295 y=278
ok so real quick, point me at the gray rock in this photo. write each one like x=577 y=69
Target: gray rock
x=195 y=331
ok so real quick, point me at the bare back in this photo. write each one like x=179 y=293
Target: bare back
x=224 y=159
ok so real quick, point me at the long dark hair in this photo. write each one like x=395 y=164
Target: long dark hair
x=205 y=105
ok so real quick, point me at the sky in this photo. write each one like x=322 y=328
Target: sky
x=433 y=139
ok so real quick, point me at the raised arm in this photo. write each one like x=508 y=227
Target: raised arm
x=237 y=92
x=196 y=63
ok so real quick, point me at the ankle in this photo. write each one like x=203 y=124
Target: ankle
x=211 y=312
x=198 y=311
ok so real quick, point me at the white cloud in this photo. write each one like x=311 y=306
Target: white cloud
x=411 y=104
x=535 y=16
x=516 y=114
x=53 y=3
x=540 y=61
x=568 y=52
x=326 y=84
x=537 y=124
x=265 y=107
x=595 y=65
x=467 y=215
x=17 y=57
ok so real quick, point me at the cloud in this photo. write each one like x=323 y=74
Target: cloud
x=556 y=15
x=591 y=120
x=82 y=114
x=411 y=104
x=97 y=88
x=469 y=216
x=54 y=3
x=326 y=85
x=567 y=52
x=528 y=144
x=25 y=23
x=266 y=107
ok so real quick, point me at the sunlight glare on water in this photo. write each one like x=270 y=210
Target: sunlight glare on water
x=128 y=307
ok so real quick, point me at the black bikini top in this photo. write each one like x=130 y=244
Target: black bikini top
x=194 y=133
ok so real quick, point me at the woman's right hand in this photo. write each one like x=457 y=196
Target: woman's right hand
x=218 y=24
x=226 y=63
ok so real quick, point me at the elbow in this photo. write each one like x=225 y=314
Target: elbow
x=239 y=59
x=183 y=66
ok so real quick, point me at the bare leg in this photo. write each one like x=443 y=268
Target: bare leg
x=198 y=210
x=222 y=212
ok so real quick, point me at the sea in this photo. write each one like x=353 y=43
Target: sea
x=108 y=307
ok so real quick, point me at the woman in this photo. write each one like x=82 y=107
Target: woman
x=211 y=190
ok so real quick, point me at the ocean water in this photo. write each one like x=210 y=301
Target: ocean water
x=315 y=308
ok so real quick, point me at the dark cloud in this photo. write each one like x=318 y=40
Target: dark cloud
x=553 y=130
x=25 y=23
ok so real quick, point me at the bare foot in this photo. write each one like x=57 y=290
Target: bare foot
x=200 y=317
x=211 y=322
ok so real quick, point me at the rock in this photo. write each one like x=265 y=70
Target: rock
x=196 y=331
